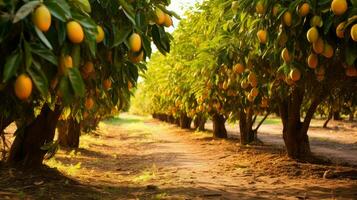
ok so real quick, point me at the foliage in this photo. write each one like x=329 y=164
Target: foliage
x=245 y=58
x=55 y=55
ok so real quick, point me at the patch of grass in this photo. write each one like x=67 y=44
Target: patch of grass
x=21 y=195
x=160 y=196
x=126 y=119
x=269 y=121
x=118 y=121
x=88 y=139
x=320 y=139
x=146 y=175
x=73 y=154
x=202 y=134
x=69 y=169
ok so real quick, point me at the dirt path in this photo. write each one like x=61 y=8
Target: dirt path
x=140 y=158
x=338 y=142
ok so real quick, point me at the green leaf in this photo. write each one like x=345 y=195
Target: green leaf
x=44 y=53
x=351 y=54
x=57 y=11
x=130 y=17
x=66 y=112
x=66 y=90
x=115 y=98
x=43 y=38
x=90 y=35
x=141 y=21
x=76 y=81
x=12 y=64
x=76 y=55
x=39 y=78
x=128 y=11
x=329 y=23
x=132 y=71
x=161 y=40
x=56 y=5
x=120 y=34
x=86 y=22
x=4 y=27
x=92 y=47
x=28 y=56
x=83 y=5
x=61 y=33
x=25 y=10
x=147 y=46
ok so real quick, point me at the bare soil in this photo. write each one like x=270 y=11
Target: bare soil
x=141 y=158
x=338 y=142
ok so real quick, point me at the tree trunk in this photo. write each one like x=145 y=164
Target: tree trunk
x=177 y=121
x=247 y=134
x=69 y=132
x=185 y=121
x=171 y=119
x=90 y=124
x=329 y=117
x=199 y=123
x=294 y=131
x=168 y=118
x=337 y=116
x=219 y=128
x=26 y=148
x=162 y=117
x=351 y=115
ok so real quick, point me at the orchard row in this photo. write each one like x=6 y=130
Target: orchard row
x=238 y=60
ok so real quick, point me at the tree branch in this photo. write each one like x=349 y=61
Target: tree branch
x=262 y=121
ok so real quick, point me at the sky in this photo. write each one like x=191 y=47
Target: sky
x=180 y=6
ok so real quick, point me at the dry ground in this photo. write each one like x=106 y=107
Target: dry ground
x=338 y=142
x=140 y=158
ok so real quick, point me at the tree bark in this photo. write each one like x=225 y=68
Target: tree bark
x=90 y=124
x=26 y=148
x=69 y=132
x=199 y=123
x=296 y=140
x=177 y=121
x=337 y=116
x=351 y=115
x=185 y=121
x=329 y=117
x=219 y=128
x=247 y=134
x=172 y=119
x=169 y=118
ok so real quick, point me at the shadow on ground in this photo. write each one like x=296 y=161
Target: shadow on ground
x=120 y=163
x=51 y=184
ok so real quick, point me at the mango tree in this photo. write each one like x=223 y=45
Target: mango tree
x=70 y=55
x=310 y=48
